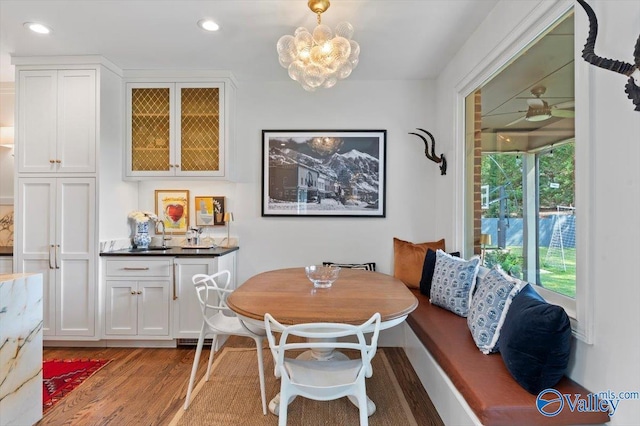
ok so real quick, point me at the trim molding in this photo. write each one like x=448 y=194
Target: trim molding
x=526 y=31
x=7 y=88
x=78 y=60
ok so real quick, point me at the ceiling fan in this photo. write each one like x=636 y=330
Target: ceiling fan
x=539 y=109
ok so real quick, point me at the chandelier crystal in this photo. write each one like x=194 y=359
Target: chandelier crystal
x=322 y=57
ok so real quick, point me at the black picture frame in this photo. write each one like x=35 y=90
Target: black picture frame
x=331 y=173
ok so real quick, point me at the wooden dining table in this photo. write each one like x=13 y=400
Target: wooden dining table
x=289 y=296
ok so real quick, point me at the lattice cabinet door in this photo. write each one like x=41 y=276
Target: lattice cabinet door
x=200 y=139
x=176 y=129
x=150 y=129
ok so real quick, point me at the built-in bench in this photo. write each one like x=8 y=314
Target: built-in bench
x=468 y=387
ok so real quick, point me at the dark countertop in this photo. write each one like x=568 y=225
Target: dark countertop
x=173 y=252
x=6 y=251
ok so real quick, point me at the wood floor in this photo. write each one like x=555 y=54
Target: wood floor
x=147 y=386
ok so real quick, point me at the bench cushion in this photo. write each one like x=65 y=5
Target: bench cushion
x=483 y=380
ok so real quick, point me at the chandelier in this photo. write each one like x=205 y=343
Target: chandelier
x=320 y=58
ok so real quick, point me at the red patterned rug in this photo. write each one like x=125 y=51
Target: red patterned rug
x=59 y=377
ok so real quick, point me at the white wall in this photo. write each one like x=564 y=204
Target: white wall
x=615 y=135
x=116 y=197
x=276 y=242
x=611 y=187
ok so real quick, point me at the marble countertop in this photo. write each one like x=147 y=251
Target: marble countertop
x=6 y=251
x=173 y=252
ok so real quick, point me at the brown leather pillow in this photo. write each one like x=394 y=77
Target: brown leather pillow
x=408 y=260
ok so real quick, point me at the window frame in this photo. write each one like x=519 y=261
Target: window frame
x=581 y=309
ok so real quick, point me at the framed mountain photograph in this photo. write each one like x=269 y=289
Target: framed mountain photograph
x=337 y=173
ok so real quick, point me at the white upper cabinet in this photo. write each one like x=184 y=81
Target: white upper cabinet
x=179 y=129
x=56 y=121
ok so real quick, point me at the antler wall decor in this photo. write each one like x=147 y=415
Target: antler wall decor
x=632 y=88
x=432 y=155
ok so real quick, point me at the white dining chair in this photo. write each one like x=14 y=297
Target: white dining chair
x=218 y=319
x=317 y=379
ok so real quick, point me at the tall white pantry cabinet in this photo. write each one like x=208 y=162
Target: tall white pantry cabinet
x=57 y=238
x=59 y=127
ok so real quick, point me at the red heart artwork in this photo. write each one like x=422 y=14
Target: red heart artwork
x=175 y=212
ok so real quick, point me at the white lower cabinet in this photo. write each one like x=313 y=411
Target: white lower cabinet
x=55 y=236
x=187 y=315
x=137 y=308
x=153 y=298
x=137 y=298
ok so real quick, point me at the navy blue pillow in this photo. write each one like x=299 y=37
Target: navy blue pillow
x=535 y=341
x=427 y=271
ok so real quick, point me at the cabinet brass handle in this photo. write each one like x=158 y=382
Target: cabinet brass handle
x=50 y=252
x=52 y=161
x=175 y=293
x=57 y=251
x=177 y=166
x=133 y=292
x=127 y=268
x=139 y=292
x=58 y=161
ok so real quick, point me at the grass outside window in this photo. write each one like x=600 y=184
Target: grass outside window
x=557 y=274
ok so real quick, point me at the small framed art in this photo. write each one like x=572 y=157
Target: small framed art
x=172 y=207
x=209 y=210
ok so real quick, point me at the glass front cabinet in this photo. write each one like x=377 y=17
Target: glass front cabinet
x=178 y=129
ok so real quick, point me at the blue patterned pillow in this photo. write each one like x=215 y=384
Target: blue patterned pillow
x=453 y=282
x=489 y=306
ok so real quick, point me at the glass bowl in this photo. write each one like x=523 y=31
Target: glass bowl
x=322 y=276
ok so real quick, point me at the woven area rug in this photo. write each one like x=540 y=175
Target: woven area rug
x=59 y=377
x=232 y=396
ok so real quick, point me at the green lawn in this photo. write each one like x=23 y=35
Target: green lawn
x=553 y=275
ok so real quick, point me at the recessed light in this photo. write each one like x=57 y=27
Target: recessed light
x=37 y=28
x=208 y=25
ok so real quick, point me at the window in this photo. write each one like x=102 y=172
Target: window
x=557 y=220
x=520 y=162
x=546 y=257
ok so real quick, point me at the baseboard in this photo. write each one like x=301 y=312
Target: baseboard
x=451 y=405
x=75 y=343
x=141 y=343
